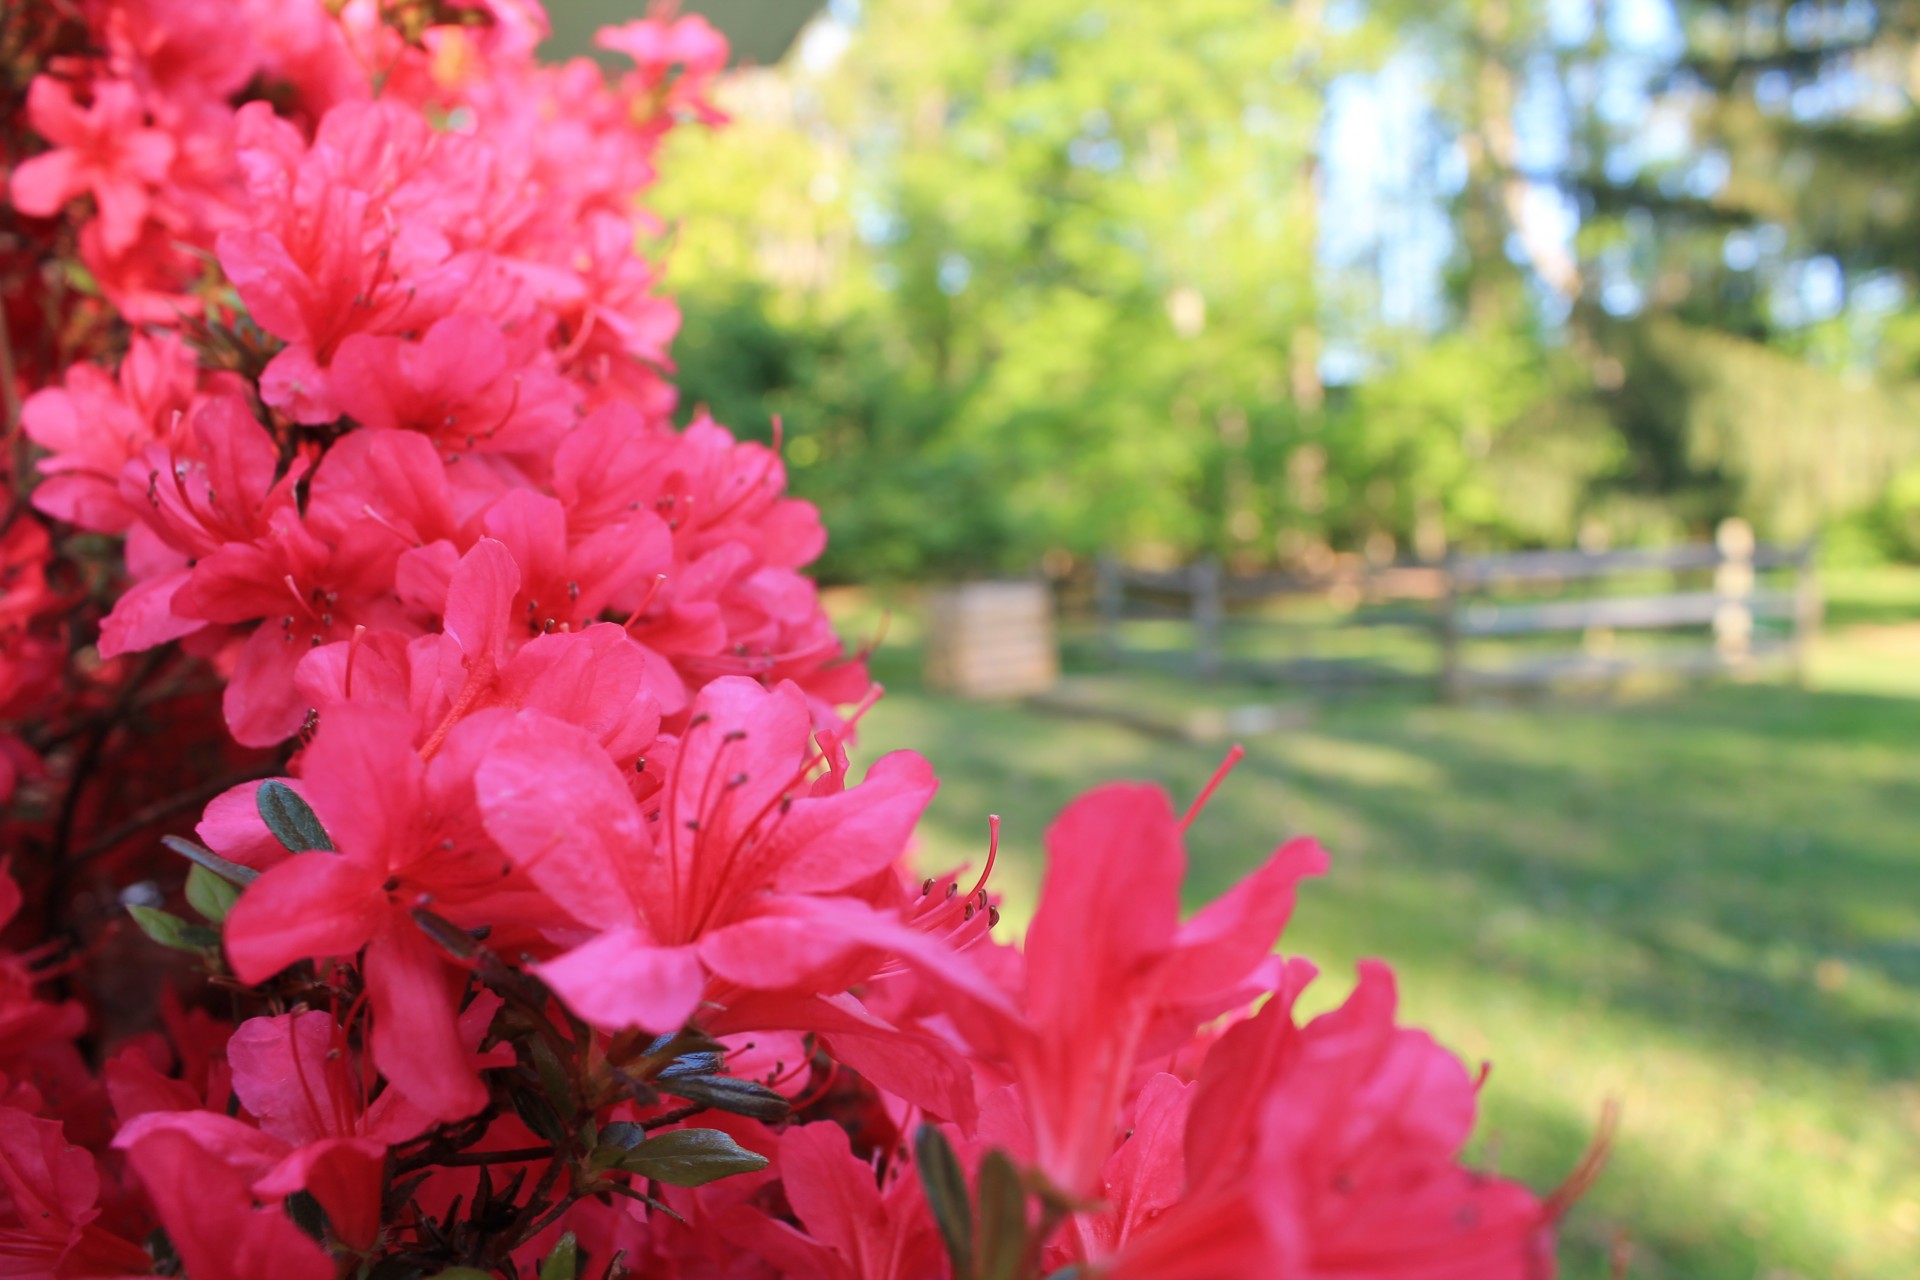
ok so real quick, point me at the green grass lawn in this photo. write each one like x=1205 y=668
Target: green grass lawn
x=1706 y=907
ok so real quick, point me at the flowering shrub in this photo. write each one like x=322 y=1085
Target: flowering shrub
x=535 y=923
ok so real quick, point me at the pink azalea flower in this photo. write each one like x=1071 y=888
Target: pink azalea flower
x=1112 y=977
x=213 y=1218
x=95 y=424
x=689 y=46
x=462 y=384
x=739 y=841
x=405 y=840
x=1351 y=1127
x=51 y=1202
x=318 y=263
x=854 y=1229
x=105 y=149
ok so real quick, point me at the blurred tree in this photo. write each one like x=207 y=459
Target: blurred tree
x=1052 y=276
x=1754 y=333
x=1079 y=238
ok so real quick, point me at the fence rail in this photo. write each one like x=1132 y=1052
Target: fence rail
x=1469 y=598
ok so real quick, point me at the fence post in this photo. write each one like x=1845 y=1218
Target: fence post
x=1807 y=607
x=1733 y=583
x=1452 y=686
x=1109 y=599
x=1203 y=582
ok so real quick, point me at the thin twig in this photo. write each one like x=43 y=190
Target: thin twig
x=162 y=808
x=467 y=1159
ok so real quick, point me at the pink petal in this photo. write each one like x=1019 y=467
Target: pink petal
x=286 y=1072
x=238 y=1145
x=344 y=1175
x=480 y=600
x=1229 y=936
x=210 y=1217
x=416 y=1036
x=45 y=1176
x=364 y=780
x=596 y=678
x=296 y=384
x=397 y=474
x=831 y=842
x=143 y=617
x=310 y=906
x=136 y=1087
x=834 y=1195
x=270 y=282
x=555 y=803
x=232 y=827
x=54 y=114
x=42 y=184
x=1110 y=901
x=620 y=980
x=261 y=703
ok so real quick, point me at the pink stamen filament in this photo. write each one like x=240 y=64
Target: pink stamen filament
x=293 y=589
x=1234 y=756
x=653 y=589
x=993 y=851
x=353 y=651
x=479 y=679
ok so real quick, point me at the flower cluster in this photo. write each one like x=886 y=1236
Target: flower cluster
x=536 y=922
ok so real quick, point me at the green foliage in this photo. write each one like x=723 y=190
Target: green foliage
x=171 y=931
x=1024 y=277
x=689 y=1158
x=1021 y=277
x=290 y=819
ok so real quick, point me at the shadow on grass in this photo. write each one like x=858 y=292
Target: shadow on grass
x=1740 y=864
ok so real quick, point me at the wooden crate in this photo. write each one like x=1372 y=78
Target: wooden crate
x=991 y=640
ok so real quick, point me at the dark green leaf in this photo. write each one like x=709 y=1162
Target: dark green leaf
x=462 y=1273
x=171 y=931
x=290 y=819
x=308 y=1215
x=691 y=1158
x=946 y=1187
x=724 y=1093
x=231 y=871
x=536 y=1112
x=553 y=1076
x=211 y=896
x=1003 y=1219
x=704 y=1063
x=457 y=941
x=564 y=1262
x=623 y=1134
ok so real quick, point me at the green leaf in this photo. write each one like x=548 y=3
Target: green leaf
x=945 y=1183
x=171 y=931
x=211 y=896
x=564 y=1262
x=554 y=1080
x=1003 y=1219
x=691 y=1158
x=291 y=820
x=623 y=1135
x=455 y=940
x=724 y=1093
x=232 y=872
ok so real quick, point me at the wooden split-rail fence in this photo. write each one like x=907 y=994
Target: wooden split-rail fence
x=1752 y=605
